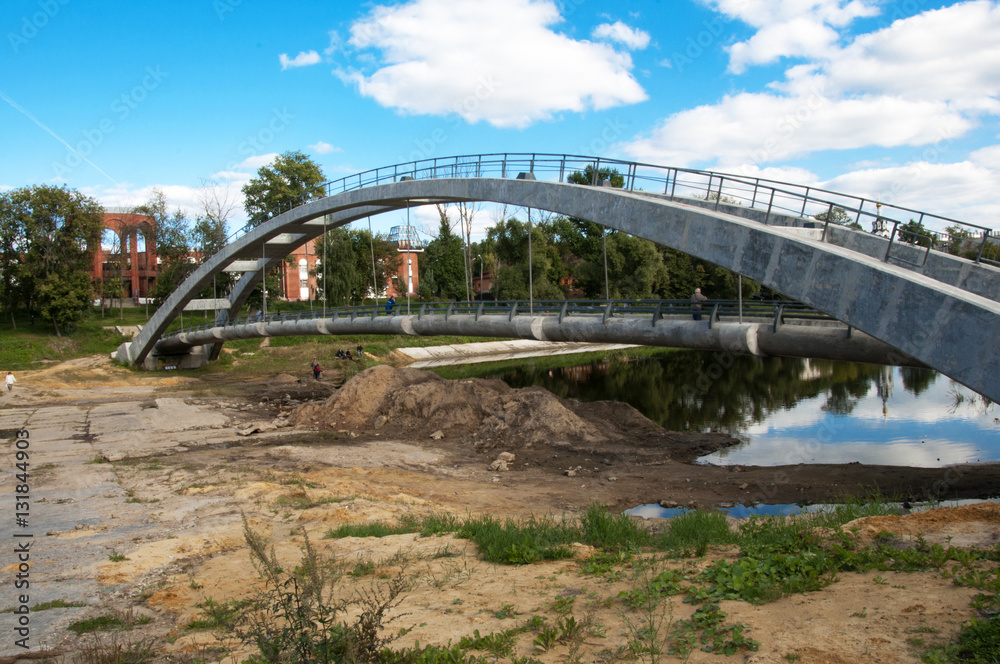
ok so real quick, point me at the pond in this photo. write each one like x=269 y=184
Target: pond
x=784 y=410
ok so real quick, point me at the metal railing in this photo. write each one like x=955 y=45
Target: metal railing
x=775 y=312
x=773 y=197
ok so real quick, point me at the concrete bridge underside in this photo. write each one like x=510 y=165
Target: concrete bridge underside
x=947 y=320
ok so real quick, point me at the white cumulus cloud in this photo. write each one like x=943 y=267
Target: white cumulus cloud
x=789 y=28
x=921 y=80
x=631 y=38
x=501 y=63
x=303 y=59
x=322 y=147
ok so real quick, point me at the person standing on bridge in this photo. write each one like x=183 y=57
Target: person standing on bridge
x=696 y=299
x=390 y=303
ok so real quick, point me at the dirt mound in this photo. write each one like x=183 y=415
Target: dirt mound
x=417 y=403
x=966 y=525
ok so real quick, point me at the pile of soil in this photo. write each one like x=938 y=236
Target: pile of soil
x=491 y=416
x=976 y=525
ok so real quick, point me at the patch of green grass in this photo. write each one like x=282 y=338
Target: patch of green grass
x=374 y=529
x=51 y=604
x=57 y=604
x=116 y=556
x=519 y=542
x=612 y=532
x=694 y=532
x=117 y=620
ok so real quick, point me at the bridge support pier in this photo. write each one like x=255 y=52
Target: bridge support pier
x=191 y=358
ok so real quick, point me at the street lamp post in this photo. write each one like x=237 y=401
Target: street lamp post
x=480 y=276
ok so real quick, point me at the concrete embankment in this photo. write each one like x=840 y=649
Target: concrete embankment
x=498 y=351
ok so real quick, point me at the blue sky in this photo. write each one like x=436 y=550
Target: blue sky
x=898 y=100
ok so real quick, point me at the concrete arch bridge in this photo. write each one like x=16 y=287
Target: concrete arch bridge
x=918 y=304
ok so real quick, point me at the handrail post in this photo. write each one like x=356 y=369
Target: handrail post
x=607 y=312
x=829 y=214
x=779 y=317
x=770 y=203
x=892 y=236
x=714 y=316
x=562 y=312
x=982 y=247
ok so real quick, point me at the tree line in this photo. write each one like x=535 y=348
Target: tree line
x=49 y=237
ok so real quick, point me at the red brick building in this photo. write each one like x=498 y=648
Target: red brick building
x=127 y=256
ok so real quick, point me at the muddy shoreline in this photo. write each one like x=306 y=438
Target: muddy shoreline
x=597 y=451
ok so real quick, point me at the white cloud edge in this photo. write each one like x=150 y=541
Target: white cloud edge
x=303 y=59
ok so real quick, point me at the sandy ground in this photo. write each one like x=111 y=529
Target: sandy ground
x=140 y=481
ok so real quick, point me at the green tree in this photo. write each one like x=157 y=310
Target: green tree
x=913 y=232
x=509 y=239
x=839 y=216
x=348 y=253
x=172 y=238
x=12 y=251
x=58 y=231
x=442 y=268
x=588 y=176
x=292 y=176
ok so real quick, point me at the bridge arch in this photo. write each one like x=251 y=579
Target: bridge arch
x=946 y=321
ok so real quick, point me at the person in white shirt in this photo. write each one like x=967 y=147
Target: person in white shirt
x=10 y=380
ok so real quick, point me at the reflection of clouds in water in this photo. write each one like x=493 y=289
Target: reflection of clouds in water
x=805 y=413
x=780 y=451
x=806 y=433
x=935 y=404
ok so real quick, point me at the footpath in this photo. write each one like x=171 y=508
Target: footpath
x=498 y=351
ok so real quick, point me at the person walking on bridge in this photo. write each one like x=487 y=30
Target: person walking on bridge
x=696 y=299
x=390 y=303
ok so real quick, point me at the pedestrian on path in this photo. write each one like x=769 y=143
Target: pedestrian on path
x=696 y=299
x=10 y=380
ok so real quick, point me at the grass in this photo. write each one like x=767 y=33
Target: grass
x=118 y=620
x=32 y=344
x=51 y=604
x=692 y=533
x=765 y=558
